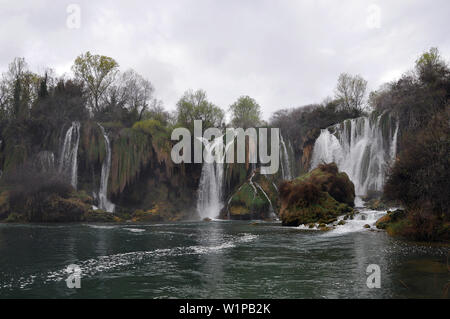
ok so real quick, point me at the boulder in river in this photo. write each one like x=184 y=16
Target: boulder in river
x=319 y=196
x=257 y=198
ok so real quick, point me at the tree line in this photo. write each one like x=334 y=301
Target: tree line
x=101 y=91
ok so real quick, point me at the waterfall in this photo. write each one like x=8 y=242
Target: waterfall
x=285 y=164
x=272 y=211
x=104 y=203
x=362 y=147
x=211 y=186
x=210 y=190
x=68 y=163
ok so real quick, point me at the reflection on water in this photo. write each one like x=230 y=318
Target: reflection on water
x=215 y=260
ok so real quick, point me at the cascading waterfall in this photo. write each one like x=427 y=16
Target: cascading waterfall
x=211 y=186
x=104 y=203
x=68 y=162
x=362 y=147
x=285 y=164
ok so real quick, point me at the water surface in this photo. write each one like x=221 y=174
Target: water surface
x=215 y=259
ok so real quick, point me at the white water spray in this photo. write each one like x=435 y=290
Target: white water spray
x=362 y=147
x=68 y=162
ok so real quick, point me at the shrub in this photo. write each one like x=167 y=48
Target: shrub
x=29 y=189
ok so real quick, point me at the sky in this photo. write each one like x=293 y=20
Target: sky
x=283 y=53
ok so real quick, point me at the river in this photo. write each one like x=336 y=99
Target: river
x=217 y=259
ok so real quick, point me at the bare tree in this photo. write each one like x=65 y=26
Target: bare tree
x=4 y=96
x=130 y=91
x=139 y=92
x=351 y=91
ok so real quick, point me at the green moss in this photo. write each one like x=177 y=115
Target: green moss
x=319 y=196
x=131 y=152
x=249 y=201
x=82 y=196
x=326 y=211
x=15 y=218
x=398 y=228
x=99 y=216
x=159 y=133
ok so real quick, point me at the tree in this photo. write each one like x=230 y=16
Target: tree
x=129 y=97
x=156 y=111
x=351 y=91
x=3 y=100
x=98 y=72
x=430 y=67
x=65 y=102
x=195 y=106
x=139 y=92
x=43 y=87
x=245 y=113
x=22 y=86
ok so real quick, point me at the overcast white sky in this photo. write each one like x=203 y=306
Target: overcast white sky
x=282 y=53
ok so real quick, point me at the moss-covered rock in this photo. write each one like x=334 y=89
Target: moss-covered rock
x=328 y=179
x=306 y=200
x=389 y=218
x=415 y=225
x=257 y=198
x=58 y=209
x=151 y=215
x=100 y=216
x=49 y=208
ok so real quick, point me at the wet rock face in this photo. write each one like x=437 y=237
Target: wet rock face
x=328 y=178
x=319 y=196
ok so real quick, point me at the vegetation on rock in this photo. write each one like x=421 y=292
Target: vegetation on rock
x=257 y=198
x=307 y=199
x=419 y=178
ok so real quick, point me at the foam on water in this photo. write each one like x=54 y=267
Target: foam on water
x=135 y=230
x=100 y=226
x=95 y=266
x=365 y=217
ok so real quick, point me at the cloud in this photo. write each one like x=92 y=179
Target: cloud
x=282 y=53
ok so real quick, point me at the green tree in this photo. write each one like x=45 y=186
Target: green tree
x=22 y=86
x=97 y=72
x=43 y=87
x=195 y=106
x=430 y=67
x=245 y=113
x=351 y=92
